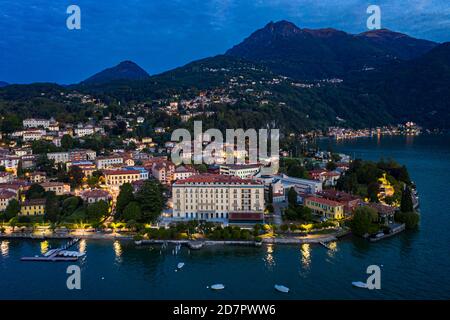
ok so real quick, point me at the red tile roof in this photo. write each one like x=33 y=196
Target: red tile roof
x=324 y=201
x=216 y=178
x=114 y=172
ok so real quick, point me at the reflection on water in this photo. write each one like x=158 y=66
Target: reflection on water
x=4 y=247
x=332 y=246
x=409 y=140
x=82 y=246
x=305 y=250
x=118 y=251
x=44 y=247
x=270 y=261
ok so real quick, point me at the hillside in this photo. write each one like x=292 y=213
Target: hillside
x=126 y=70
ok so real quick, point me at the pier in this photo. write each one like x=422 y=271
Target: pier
x=54 y=254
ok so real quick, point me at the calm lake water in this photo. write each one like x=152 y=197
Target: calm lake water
x=415 y=265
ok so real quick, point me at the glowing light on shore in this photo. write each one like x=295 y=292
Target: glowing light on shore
x=44 y=247
x=4 y=248
x=305 y=250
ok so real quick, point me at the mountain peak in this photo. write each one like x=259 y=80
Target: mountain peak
x=300 y=53
x=383 y=33
x=125 y=70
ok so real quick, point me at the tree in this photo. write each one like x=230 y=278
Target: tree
x=362 y=220
x=124 y=198
x=10 y=123
x=132 y=212
x=12 y=209
x=151 y=200
x=46 y=165
x=202 y=168
x=71 y=204
x=331 y=165
x=93 y=181
x=67 y=142
x=35 y=191
x=76 y=176
x=410 y=219
x=406 y=204
x=292 y=197
x=270 y=195
x=52 y=210
x=96 y=211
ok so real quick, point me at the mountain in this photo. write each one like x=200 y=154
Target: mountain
x=3 y=84
x=397 y=44
x=417 y=89
x=126 y=70
x=325 y=53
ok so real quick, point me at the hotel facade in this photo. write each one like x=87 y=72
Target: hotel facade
x=218 y=198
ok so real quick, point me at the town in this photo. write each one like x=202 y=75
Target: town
x=58 y=180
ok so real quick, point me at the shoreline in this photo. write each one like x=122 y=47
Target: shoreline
x=287 y=240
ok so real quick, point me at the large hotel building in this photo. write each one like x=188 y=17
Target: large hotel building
x=218 y=198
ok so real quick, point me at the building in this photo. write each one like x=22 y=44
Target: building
x=33 y=135
x=349 y=201
x=162 y=169
x=95 y=195
x=87 y=130
x=304 y=186
x=58 y=157
x=33 y=207
x=37 y=177
x=328 y=209
x=108 y=162
x=243 y=171
x=144 y=175
x=116 y=178
x=9 y=162
x=87 y=167
x=73 y=155
x=385 y=213
x=5 y=197
x=183 y=172
x=6 y=177
x=35 y=123
x=218 y=198
x=328 y=178
x=59 y=188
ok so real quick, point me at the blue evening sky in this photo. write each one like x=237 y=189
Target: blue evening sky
x=35 y=44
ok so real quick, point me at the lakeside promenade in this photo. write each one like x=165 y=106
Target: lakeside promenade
x=115 y=236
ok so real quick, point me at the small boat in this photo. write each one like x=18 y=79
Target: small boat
x=218 y=286
x=281 y=288
x=180 y=265
x=359 y=284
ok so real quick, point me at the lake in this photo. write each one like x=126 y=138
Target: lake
x=414 y=264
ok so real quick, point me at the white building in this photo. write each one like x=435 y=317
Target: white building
x=218 y=198
x=58 y=157
x=33 y=135
x=36 y=123
x=243 y=171
x=183 y=172
x=107 y=162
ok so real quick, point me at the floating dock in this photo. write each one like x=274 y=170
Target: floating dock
x=53 y=255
